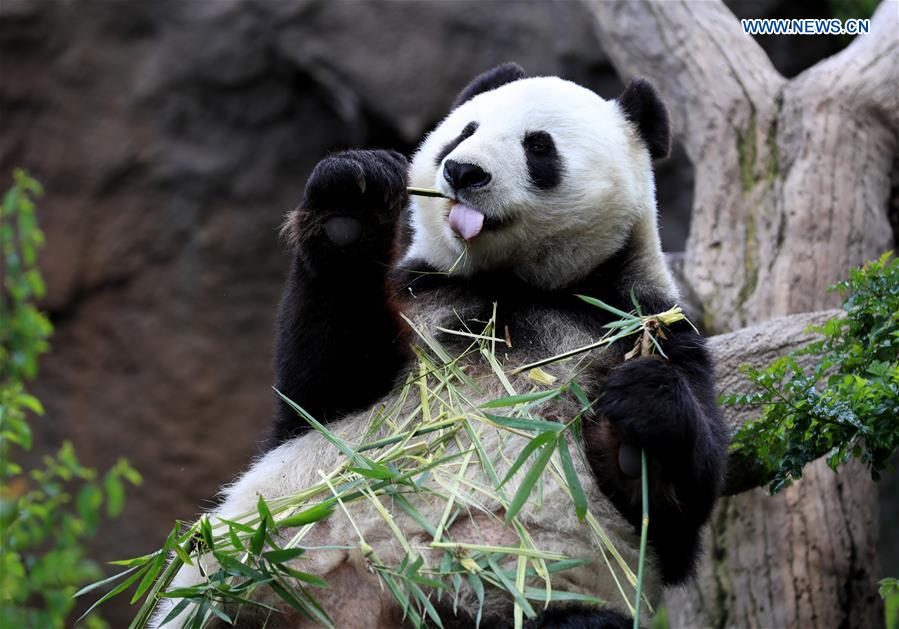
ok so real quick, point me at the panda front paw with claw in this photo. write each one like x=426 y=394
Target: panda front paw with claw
x=650 y=405
x=352 y=202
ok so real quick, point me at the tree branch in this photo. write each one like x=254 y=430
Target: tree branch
x=758 y=346
x=865 y=76
x=712 y=75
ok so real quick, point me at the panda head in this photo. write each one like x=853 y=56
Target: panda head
x=542 y=177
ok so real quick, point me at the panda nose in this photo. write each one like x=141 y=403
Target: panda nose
x=461 y=176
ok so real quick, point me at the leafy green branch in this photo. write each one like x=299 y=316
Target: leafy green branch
x=46 y=513
x=836 y=397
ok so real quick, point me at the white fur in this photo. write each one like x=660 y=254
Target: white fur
x=556 y=235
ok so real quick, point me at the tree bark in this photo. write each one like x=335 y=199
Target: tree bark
x=792 y=189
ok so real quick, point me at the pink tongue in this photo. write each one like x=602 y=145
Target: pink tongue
x=466 y=221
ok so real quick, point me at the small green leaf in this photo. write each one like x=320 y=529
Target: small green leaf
x=574 y=483
x=520 y=423
x=283 y=554
x=528 y=449
x=530 y=479
x=307 y=516
x=512 y=400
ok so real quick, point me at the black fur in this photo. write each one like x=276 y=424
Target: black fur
x=580 y=617
x=450 y=146
x=642 y=106
x=490 y=80
x=666 y=407
x=336 y=292
x=544 y=161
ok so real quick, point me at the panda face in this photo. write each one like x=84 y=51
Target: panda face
x=542 y=177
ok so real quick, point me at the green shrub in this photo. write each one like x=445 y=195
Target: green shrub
x=846 y=405
x=48 y=512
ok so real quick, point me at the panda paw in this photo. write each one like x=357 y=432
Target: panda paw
x=650 y=404
x=354 y=198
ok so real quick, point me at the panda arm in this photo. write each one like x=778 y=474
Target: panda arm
x=339 y=343
x=667 y=408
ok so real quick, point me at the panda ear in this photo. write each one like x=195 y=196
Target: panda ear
x=490 y=80
x=641 y=105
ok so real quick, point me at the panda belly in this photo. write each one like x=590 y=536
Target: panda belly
x=301 y=462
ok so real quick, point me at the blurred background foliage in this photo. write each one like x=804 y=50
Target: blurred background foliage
x=47 y=512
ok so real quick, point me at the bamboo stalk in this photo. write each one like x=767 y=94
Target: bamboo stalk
x=425 y=192
x=644 y=528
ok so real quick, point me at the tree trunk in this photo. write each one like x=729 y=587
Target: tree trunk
x=792 y=189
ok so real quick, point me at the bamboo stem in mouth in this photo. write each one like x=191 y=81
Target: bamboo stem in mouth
x=425 y=192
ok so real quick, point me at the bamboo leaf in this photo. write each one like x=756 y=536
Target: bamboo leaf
x=177 y=609
x=150 y=576
x=520 y=423
x=530 y=479
x=307 y=516
x=474 y=581
x=304 y=576
x=537 y=397
x=526 y=452
x=283 y=554
x=601 y=304
x=107 y=581
x=124 y=585
x=258 y=539
x=574 y=483
x=510 y=588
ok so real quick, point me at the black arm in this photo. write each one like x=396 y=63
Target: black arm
x=667 y=408
x=339 y=341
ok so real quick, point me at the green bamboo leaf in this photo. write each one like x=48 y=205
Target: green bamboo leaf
x=243 y=528
x=379 y=472
x=520 y=423
x=177 y=609
x=327 y=434
x=258 y=539
x=528 y=449
x=152 y=572
x=474 y=581
x=193 y=591
x=283 y=554
x=221 y=614
x=533 y=475
x=124 y=585
x=307 y=516
x=512 y=400
x=635 y=302
x=426 y=603
x=106 y=581
x=182 y=554
x=235 y=540
x=539 y=594
x=206 y=532
x=305 y=577
x=574 y=483
x=264 y=513
x=238 y=569
x=601 y=304
x=400 y=500
x=510 y=588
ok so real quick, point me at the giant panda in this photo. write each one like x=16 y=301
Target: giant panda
x=549 y=193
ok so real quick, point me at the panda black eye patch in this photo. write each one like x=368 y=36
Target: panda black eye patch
x=467 y=132
x=544 y=162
